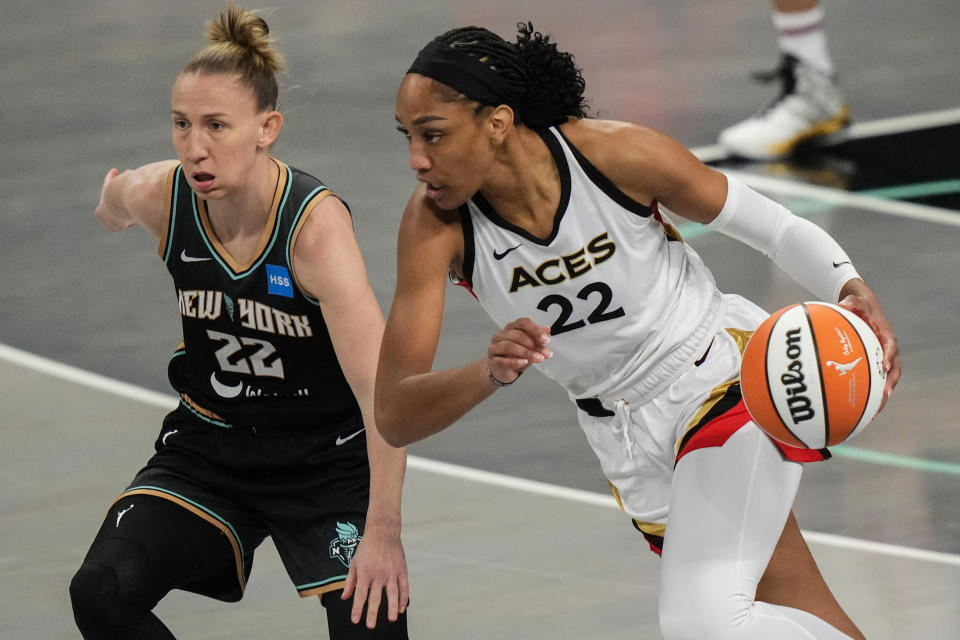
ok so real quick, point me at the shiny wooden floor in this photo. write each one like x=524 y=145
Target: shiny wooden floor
x=491 y=553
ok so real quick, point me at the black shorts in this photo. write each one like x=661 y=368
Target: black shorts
x=306 y=488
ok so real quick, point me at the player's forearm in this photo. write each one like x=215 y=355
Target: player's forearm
x=421 y=405
x=803 y=250
x=387 y=469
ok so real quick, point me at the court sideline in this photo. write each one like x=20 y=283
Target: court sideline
x=490 y=555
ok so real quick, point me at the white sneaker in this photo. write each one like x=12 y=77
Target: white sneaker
x=809 y=106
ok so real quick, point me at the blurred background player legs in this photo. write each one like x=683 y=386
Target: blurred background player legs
x=809 y=104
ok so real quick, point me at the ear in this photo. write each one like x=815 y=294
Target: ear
x=500 y=122
x=270 y=124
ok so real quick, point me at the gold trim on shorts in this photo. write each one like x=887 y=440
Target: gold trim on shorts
x=224 y=529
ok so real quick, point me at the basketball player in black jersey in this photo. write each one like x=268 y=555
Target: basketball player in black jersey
x=273 y=435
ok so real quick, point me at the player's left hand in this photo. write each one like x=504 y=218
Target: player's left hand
x=378 y=566
x=860 y=299
x=515 y=347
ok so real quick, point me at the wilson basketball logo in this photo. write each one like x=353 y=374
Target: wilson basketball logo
x=793 y=381
x=812 y=375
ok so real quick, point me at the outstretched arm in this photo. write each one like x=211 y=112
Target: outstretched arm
x=136 y=196
x=328 y=266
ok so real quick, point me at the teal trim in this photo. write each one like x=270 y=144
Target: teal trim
x=198 y=506
x=692 y=230
x=217 y=423
x=918 y=190
x=314 y=585
x=895 y=460
x=293 y=226
x=206 y=241
x=266 y=251
x=808 y=206
x=171 y=224
x=800 y=207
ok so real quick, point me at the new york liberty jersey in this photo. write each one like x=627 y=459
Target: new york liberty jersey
x=256 y=351
x=630 y=305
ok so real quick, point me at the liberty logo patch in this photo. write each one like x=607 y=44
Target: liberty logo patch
x=230 y=305
x=345 y=544
x=279 y=282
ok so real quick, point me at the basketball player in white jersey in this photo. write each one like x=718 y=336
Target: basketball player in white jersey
x=555 y=223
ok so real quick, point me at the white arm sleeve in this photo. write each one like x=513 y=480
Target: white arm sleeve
x=804 y=251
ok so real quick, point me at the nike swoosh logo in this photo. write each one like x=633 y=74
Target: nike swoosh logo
x=223 y=390
x=167 y=435
x=837 y=264
x=342 y=439
x=500 y=256
x=703 y=358
x=186 y=258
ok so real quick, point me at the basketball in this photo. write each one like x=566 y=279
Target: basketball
x=812 y=375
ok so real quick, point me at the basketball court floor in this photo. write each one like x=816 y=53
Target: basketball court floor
x=508 y=528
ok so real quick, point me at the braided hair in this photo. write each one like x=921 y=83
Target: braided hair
x=538 y=81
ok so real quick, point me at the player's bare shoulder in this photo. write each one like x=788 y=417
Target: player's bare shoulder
x=430 y=235
x=324 y=224
x=423 y=213
x=610 y=142
x=624 y=152
x=424 y=222
x=149 y=186
x=326 y=256
x=137 y=196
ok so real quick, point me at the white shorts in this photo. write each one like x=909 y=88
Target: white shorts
x=639 y=445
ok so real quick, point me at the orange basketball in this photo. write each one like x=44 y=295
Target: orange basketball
x=812 y=375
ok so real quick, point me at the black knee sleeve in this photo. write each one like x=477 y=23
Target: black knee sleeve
x=102 y=608
x=128 y=570
x=94 y=594
x=342 y=628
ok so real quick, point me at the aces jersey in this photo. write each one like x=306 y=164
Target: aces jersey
x=630 y=305
x=256 y=351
